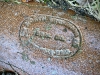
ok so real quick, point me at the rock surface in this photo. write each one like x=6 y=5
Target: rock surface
x=33 y=62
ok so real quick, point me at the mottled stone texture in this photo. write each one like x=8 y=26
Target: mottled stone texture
x=86 y=62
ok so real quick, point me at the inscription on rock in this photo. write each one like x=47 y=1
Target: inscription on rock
x=52 y=35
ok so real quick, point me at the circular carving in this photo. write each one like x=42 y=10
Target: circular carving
x=55 y=36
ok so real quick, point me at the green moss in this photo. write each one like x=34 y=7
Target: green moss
x=7 y=0
x=32 y=62
x=14 y=1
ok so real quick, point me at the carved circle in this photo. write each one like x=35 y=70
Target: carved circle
x=55 y=36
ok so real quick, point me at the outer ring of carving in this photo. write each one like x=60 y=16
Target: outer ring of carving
x=57 y=53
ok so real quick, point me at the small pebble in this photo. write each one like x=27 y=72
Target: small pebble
x=49 y=59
